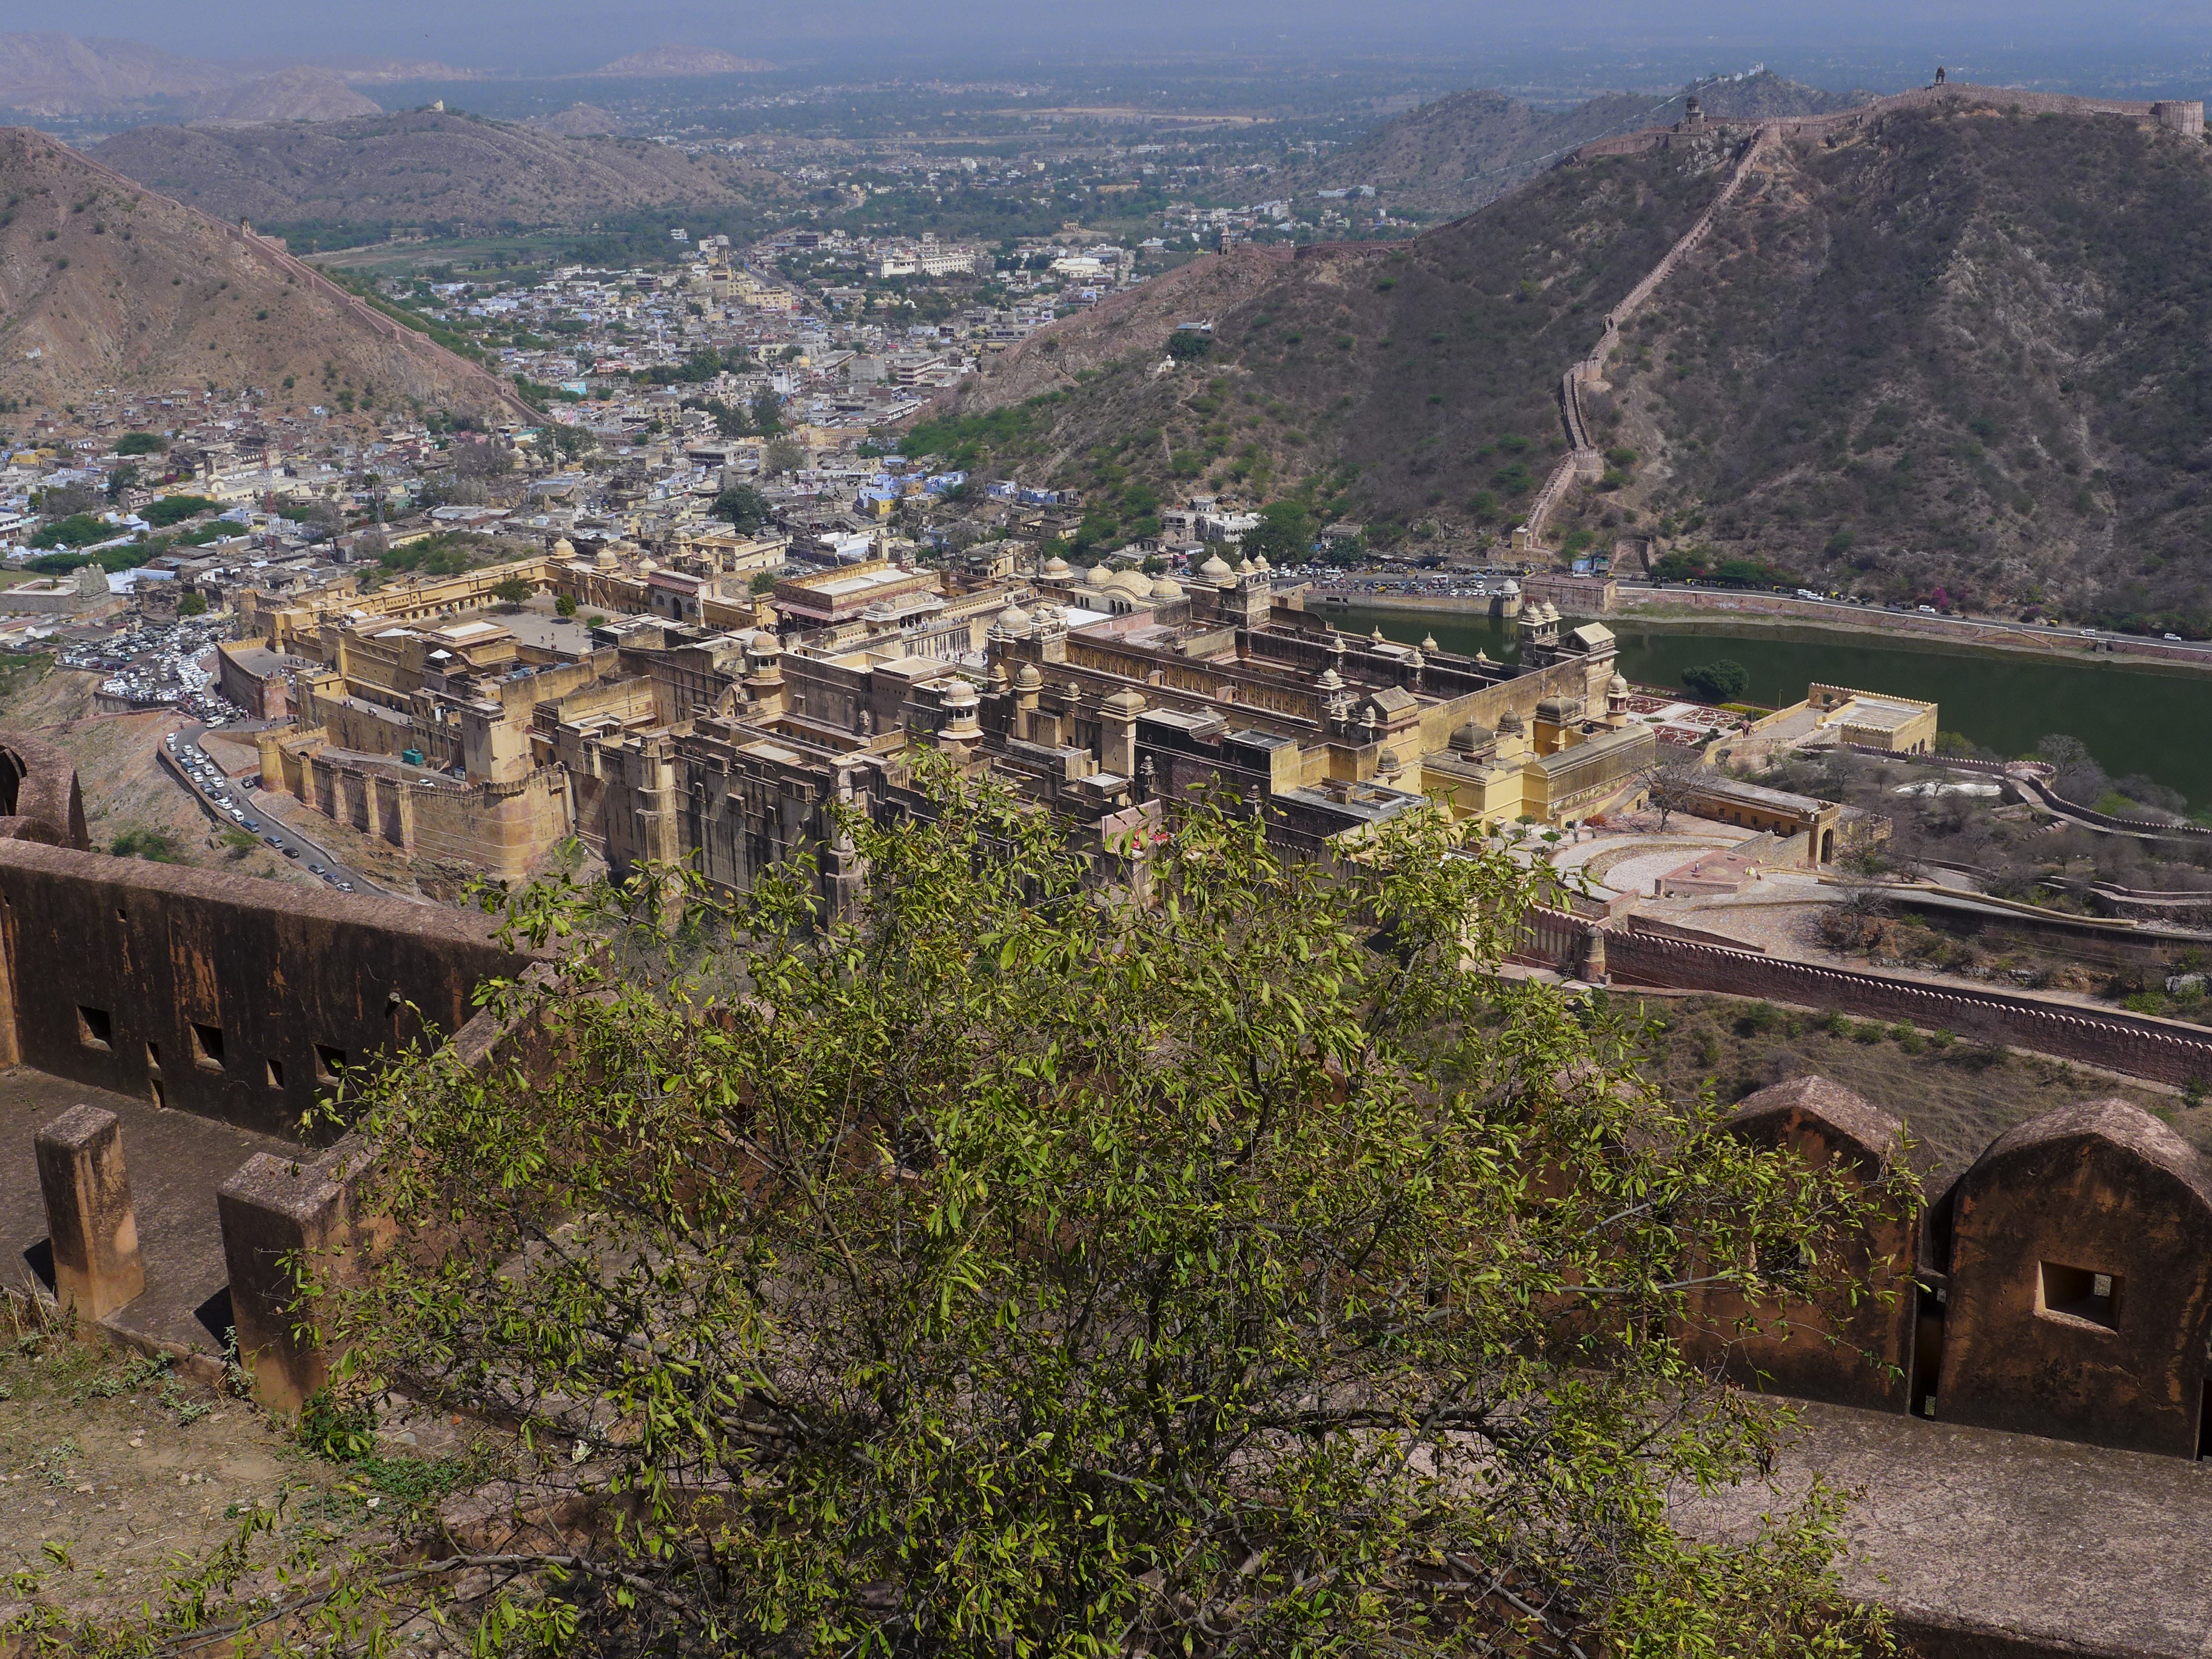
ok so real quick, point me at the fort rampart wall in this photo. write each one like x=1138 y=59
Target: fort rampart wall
x=2135 y=1045
x=219 y=994
x=1583 y=461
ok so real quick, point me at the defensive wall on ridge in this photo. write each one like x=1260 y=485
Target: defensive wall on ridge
x=2179 y=115
x=1583 y=461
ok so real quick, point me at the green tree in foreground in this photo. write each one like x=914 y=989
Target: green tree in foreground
x=1006 y=1269
x=512 y=590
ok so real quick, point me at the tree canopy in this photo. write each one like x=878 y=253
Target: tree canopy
x=745 y=507
x=1284 y=534
x=1717 y=682
x=1011 y=1266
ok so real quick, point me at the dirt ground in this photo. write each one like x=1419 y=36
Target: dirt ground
x=126 y=791
x=113 y=1472
x=109 y=1467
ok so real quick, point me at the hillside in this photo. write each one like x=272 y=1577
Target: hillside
x=1454 y=155
x=106 y=284
x=46 y=74
x=293 y=94
x=1394 y=378
x=423 y=165
x=1959 y=349
x=578 y=121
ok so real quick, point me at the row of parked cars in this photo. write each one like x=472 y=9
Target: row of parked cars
x=215 y=785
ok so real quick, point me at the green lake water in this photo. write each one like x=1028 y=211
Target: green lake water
x=2134 y=718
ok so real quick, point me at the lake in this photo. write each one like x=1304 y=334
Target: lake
x=2134 y=718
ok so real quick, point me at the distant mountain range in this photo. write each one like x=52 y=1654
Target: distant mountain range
x=417 y=165
x=61 y=75
x=1454 y=155
x=103 y=283
x=48 y=75
x=675 y=60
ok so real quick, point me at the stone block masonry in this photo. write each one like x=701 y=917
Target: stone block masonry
x=233 y=998
x=92 y=1227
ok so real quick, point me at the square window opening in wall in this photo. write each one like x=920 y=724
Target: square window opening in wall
x=2081 y=1294
x=329 y=1062
x=93 y=1028
x=207 y=1047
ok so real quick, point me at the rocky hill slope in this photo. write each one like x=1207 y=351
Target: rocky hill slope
x=1401 y=382
x=104 y=283
x=423 y=165
x=1956 y=348
x=1459 y=152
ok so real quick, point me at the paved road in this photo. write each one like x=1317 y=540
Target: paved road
x=309 y=854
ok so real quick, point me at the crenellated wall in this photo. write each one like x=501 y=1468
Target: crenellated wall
x=2061 y=1286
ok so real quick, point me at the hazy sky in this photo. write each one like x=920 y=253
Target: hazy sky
x=2039 y=39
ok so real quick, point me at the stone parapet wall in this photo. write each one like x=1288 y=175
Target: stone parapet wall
x=219 y=994
x=2031 y=785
